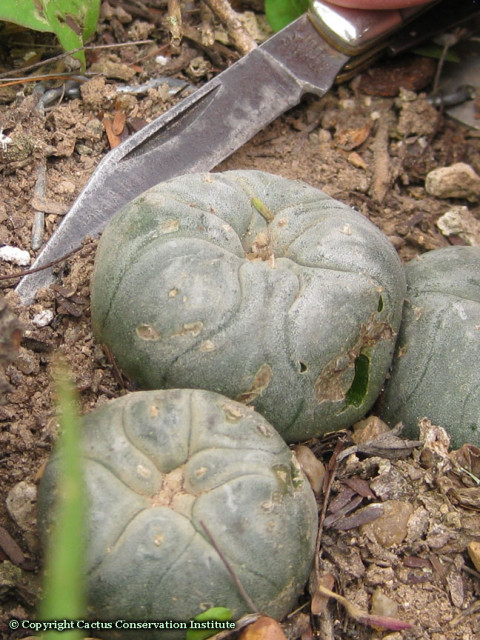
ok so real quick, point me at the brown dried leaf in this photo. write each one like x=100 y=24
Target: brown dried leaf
x=360 y=486
x=10 y=547
x=68 y=308
x=360 y=517
x=416 y=562
x=456 y=588
x=113 y=139
x=118 y=124
x=368 y=429
x=468 y=497
x=338 y=513
x=468 y=458
x=341 y=501
x=356 y=160
x=264 y=628
x=383 y=622
x=386 y=445
x=312 y=467
x=351 y=138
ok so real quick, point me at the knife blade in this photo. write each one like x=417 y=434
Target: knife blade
x=208 y=126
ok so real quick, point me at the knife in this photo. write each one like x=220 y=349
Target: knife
x=202 y=130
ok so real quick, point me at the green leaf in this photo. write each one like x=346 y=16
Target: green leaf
x=281 y=12
x=432 y=50
x=64 y=588
x=221 y=614
x=72 y=21
x=25 y=13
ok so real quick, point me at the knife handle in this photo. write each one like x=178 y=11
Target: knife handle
x=356 y=31
x=363 y=34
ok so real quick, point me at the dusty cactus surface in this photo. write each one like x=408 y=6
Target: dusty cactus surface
x=261 y=288
x=168 y=471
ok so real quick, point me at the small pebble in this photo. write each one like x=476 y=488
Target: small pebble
x=43 y=318
x=391 y=527
x=15 y=255
x=461 y=222
x=457 y=181
x=21 y=501
x=382 y=605
x=474 y=553
x=21 y=505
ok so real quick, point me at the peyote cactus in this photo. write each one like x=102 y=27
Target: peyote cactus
x=158 y=466
x=254 y=286
x=436 y=368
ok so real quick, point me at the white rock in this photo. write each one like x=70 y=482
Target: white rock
x=457 y=181
x=43 y=318
x=21 y=505
x=15 y=255
x=461 y=222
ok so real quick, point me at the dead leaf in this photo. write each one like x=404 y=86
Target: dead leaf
x=351 y=138
x=113 y=139
x=264 y=628
x=468 y=458
x=416 y=562
x=469 y=498
x=356 y=160
x=359 y=518
x=436 y=443
x=338 y=509
x=118 y=124
x=360 y=486
x=386 y=445
x=456 y=588
x=10 y=547
x=312 y=467
x=368 y=429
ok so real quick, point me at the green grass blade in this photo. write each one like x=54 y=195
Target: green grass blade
x=64 y=587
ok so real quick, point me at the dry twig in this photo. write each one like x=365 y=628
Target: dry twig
x=230 y=19
x=174 y=21
x=60 y=56
x=27 y=272
x=236 y=580
x=381 y=166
